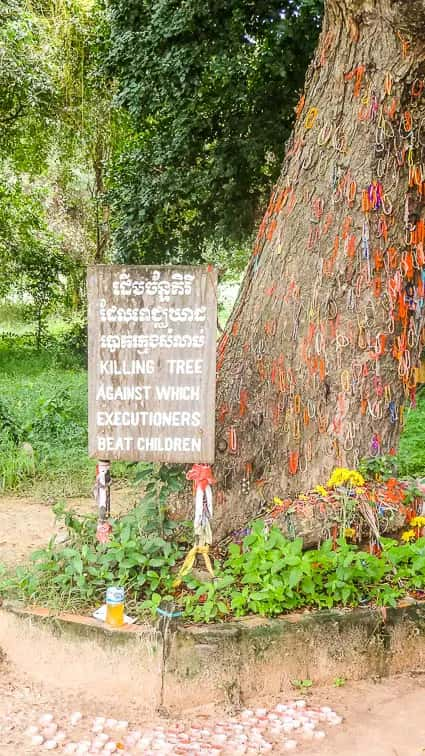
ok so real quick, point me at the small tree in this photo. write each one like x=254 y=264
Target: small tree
x=39 y=277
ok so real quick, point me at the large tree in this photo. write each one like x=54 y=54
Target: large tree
x=56 y=131
x=319 y=356
x=26 y=82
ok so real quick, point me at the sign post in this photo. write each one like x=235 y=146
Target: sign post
x=152 y=344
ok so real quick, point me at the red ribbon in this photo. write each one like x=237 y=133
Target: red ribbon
x=201 y=475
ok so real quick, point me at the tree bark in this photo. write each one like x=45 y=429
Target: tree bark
x=320 y=352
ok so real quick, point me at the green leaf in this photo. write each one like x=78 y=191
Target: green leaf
x=295 y=575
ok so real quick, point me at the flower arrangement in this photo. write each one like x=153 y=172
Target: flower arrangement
x=354 y=504
x=417 y=522
x=342 y=476
x=349 y=533
x=408 y=536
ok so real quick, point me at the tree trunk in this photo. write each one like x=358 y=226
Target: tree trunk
x=320 y=352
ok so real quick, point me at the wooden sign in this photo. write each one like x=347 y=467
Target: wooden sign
x=152 y=345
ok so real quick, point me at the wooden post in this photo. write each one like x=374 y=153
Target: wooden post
x=102 y=493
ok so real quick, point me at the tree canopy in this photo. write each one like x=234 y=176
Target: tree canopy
x=210 y=88
x=55 y=119
x=161 y=122
x=26 y=83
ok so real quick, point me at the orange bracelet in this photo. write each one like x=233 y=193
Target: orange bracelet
x=293 y=460
x=300 y=106
x=417 y=88
x=233 y=445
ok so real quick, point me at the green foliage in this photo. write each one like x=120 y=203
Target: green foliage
x=17 y=465
x=410 y=460
x=76 y=575
x=411 y=455
x=412 y=494
x=88 y=129
x=159 y=482
x=26 y=84
x=53 y=418
x=270 y=575
x=210 y=89
x=71 y=344
x=56 y=131
x=8 y=426
x=137 y=557
x=33 y=264
x=302 y=685
x=27 y=109
x=47 y=408
x=378 y=468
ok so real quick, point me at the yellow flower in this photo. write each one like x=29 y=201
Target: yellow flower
x=303 y=497
x=342 y=476
x=360 y=491
x=321 y=490
x=349 y=532
x=417 y=522
x=408 y=535
x=277 y=501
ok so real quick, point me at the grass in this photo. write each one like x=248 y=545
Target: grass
x=411 y=455
x=14 y=321
x=44 y=395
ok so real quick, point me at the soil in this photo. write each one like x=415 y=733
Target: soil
x=381 y=718
x=28 y=524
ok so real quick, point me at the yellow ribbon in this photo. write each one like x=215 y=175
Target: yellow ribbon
x=190 y=560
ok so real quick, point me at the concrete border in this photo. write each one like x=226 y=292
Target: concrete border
x=235 y=661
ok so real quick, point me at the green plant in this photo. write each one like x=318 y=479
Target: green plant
x=339 y=682
x=270 y=575
x=411 y=453
x=302 y=684
x=77 y=574
x=71 y=347
x=210 y=91
x=412 y=494
x=9 y=427
x=52 y=416
x=159 y=482
x=17 y=465
x=378 y=468
x=47 y=404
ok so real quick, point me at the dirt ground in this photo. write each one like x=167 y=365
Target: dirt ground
x=380 y=718
x=27 y=524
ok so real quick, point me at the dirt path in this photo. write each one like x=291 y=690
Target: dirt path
x=27 y=524
x=380 y=719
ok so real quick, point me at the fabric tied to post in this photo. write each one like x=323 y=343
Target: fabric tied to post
x=203 y=479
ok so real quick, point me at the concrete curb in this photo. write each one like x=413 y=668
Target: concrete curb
x=248 y=657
